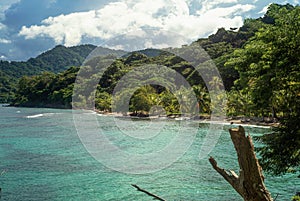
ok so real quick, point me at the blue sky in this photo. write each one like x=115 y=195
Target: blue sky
x=30 y=27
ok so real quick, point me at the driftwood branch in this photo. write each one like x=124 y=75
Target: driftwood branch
x=250 y=182
x=2 y=173
x=147 y=192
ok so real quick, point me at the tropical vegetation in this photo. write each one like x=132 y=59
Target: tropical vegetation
x=258 y=64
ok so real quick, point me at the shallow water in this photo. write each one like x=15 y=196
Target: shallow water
x=43 y=159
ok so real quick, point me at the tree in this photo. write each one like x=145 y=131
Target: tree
x=269 y=72
x=281 y=152
x=143 y=99
x=103 y=101
x=250 y=181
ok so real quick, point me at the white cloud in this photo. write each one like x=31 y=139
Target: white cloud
x=67 y=29
x=2 y=57
x=296 y=2
x=4 y=5
x=2 y=26
x=142 y=39
x=122 y=17
x=210 y=4
x=264 y=10
x=228 y=11
x=5 y=41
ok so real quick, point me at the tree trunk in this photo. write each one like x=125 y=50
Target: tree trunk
x=250 y=182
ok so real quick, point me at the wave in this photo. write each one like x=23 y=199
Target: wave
x=234 y=124
x=40 y=115
x=34 y=116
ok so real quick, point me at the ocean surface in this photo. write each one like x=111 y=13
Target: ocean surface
x=43 y=158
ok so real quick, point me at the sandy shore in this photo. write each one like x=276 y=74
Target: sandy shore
x=246 y=121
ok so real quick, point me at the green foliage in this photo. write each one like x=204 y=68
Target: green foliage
x=273 y=12
x=268 y=67
x=56 y=60
x=7 y=88
x=143 y=99
x=281 y=152
x=239 y=103
x=268 y=63
x=46 y=90
x=61 y=58
x=103 y=101
x=169 y=102
x=296 y=197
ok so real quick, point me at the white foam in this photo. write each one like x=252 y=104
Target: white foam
x=234 y=124
x=182 y=118
x=49 y=114
x=34 y=116
x=41 y=115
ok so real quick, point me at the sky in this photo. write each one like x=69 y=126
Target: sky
x=30 y=27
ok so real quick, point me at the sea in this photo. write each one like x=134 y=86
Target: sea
x=43 y=157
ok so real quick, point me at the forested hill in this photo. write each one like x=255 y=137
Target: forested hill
x=56 y=60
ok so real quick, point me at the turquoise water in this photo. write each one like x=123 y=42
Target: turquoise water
x=43 y=159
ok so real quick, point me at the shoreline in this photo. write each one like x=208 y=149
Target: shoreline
x=237 y=120
x=265 y=122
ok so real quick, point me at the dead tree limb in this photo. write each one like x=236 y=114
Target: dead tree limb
x=250 y=182
x=146 y=192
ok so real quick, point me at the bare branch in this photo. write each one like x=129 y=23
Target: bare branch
x=146 y=192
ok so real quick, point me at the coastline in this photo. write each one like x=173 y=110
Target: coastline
x=237 y=120
x=265 y=122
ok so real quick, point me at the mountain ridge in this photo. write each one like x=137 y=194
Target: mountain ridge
x=60 y=58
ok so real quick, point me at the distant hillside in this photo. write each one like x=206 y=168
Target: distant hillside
x=61 y=58
x=56 y=60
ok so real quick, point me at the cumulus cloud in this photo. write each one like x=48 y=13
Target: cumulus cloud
x=122 y=17
x=67 y=29
x=5 y=41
